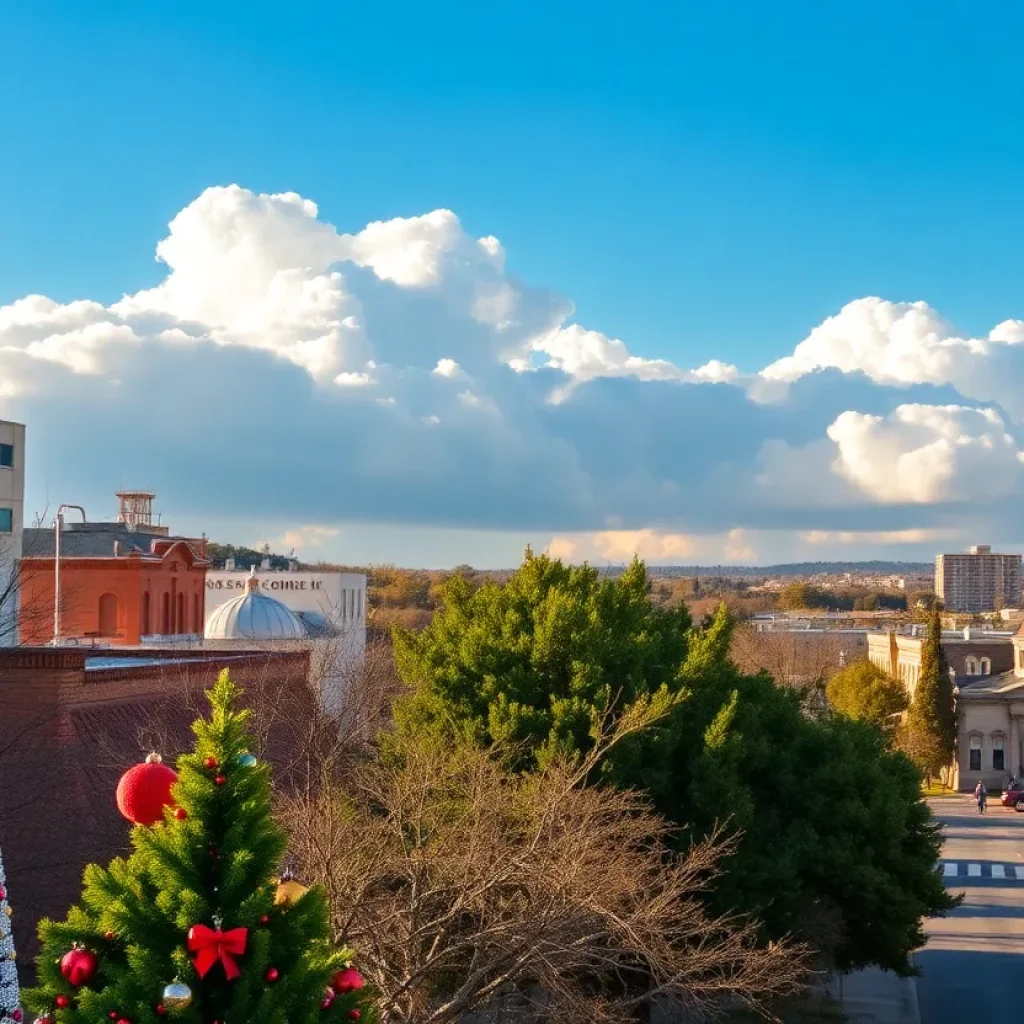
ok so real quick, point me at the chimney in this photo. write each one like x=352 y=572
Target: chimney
x=229 y=564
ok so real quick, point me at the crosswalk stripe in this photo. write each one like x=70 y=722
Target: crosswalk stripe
x=974 y=870
x=1019 y=871
x=952 y=868
x=998 y=871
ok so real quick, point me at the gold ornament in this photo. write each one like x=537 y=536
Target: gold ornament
x=177 y=996
x=8 y=912
x=289 y=891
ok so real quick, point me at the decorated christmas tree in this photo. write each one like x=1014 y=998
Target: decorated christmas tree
x=10 y=1007
x=195 y=925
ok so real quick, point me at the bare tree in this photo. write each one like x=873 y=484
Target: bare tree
x=805 y=659
x=468 y=890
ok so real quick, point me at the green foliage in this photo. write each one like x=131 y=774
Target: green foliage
x=931 y=723
x=837 y=846
x=863 y=691
x=216 y=865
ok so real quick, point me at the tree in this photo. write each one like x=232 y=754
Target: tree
x=473 y=889
x=863 y=691
x=931 y=722
x=535 y=665
x=10 y=1002
x=196 y=904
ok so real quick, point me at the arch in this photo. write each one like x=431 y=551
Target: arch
x=144 y=617
x=165 y=619
x=197 y=613
x=986 y=666
x=971 y=665
x=108 y=615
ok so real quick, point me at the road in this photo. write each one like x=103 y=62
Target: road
x=973 y=965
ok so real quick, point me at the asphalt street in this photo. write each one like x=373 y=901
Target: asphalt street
x=973 y=965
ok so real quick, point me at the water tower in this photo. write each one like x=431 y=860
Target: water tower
x=136 y=511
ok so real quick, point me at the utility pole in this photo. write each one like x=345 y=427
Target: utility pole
x=58 y=524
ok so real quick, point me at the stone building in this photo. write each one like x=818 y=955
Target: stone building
x=987 y=670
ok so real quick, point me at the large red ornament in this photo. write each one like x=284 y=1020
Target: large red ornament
x=145 y=790
x=347 y=980
x=210 y=946
x=79 y=966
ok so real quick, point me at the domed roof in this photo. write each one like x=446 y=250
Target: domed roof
x=253 y=616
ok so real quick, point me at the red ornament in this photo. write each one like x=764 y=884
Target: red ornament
x=354 y=1015
x=210 y=762
x=3 y=893
x=180 y=813
x=109 y=936
x=210 y=946
x=220 y=780
x=265 y=919
x=161 y=1010
x=347 y=980
x=79 y=966
x=124 y=1020
x=145 y=790
x=113 y=1015
x=16 y=1015
x=61 y=1002
x=272 y=974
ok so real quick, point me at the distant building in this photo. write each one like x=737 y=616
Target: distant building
x=122 y=583
x=12 y=501
x=978 y=581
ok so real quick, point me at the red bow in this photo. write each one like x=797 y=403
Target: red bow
x=211 y=946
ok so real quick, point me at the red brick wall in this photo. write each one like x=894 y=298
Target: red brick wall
x=66 y=737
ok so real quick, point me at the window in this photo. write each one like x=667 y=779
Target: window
x=998 y=756
x=975 y=756
x=197 y=614
x=145 y=614
x=986 y=666
x=7 y=456
x=108 y=615
x=971 y=666
x=6 y=520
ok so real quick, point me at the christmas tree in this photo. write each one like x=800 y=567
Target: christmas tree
x=10 y=1008
x=195 y=925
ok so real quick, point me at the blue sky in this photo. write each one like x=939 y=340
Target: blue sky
x=702 y=181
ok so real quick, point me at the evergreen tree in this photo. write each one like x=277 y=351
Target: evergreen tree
x=533 y=665
x=10 y=1006
x=931 y=723
x=194 y=923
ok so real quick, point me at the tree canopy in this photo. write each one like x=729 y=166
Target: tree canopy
x=931 y=722
x=864 y=692
x=836 y=845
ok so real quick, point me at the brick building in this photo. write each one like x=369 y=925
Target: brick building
x=72 y=721
x=119 y=581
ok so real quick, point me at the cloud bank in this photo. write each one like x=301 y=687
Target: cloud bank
x=297 y=373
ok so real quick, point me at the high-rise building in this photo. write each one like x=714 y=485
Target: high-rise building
x=979 y=581
x=12 y=501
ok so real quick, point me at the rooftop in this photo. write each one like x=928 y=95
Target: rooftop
x=94 y=540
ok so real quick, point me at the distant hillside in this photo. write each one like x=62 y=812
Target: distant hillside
x=875 y=568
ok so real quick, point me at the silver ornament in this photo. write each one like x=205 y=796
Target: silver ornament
x=177 y=996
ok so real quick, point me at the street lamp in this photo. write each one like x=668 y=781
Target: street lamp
x=58 y=524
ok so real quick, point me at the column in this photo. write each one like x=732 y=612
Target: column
x=1015 y=767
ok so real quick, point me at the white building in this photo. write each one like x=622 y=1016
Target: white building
x=326 y=610
x=12 y=510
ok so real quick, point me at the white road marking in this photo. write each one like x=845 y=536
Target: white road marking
x=1019 y=871
x=998 y=871
x=974 y=870
x=952 y=868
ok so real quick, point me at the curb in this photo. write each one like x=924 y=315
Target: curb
x=915 y=1006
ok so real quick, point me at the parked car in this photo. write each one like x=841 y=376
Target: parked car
x=1013 y=796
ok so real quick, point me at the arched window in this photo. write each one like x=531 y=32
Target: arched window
x=197 y=614
x=165 y=619
x=974 y=763
x=144 y=623
x=998 y=752
x=108 y=615
x=180 y=625
x=971 y=666
x=986 y=666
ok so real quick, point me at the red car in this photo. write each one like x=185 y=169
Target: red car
x=1013 y=796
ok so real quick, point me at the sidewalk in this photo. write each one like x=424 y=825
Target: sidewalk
x=876 y=997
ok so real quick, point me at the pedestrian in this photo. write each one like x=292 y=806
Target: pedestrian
x=981 y=795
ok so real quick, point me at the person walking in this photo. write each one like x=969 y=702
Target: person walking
x=981 y=795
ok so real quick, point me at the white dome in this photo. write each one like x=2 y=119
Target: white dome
x=254 y=616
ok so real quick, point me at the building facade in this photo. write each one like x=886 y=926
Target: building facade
x=979 y=581
x=121 y=583
x=12 y=512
